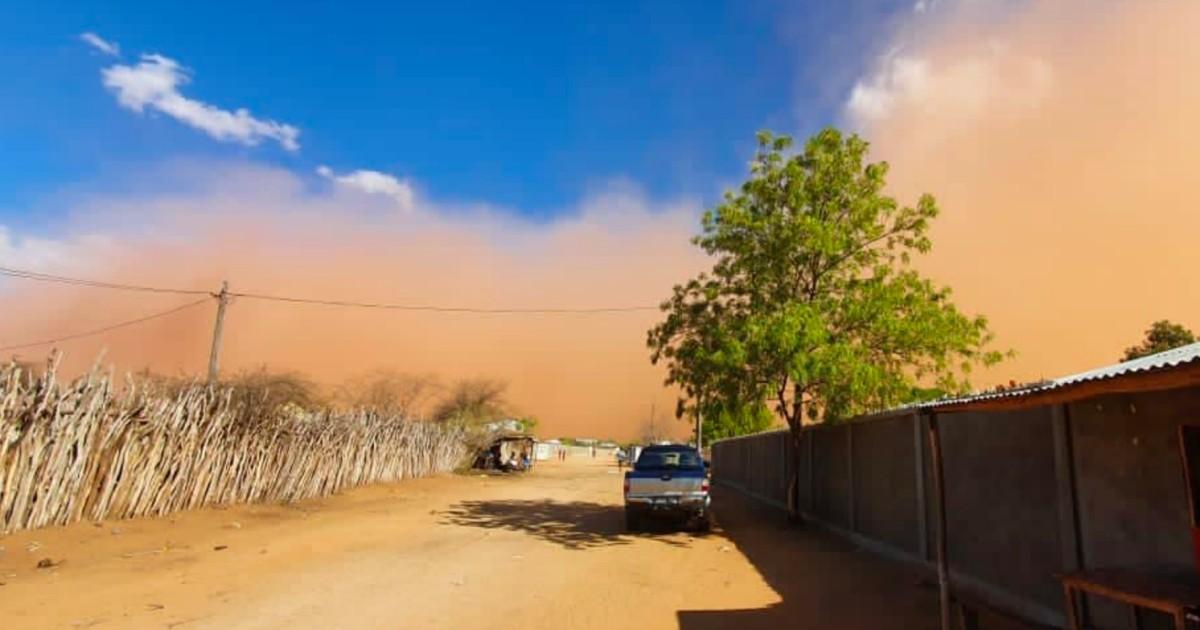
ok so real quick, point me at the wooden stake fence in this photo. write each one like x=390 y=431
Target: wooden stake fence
x=80 y=451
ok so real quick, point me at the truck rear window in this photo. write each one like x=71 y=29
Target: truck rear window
x=669 y=459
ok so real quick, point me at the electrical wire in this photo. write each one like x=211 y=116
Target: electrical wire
x=45 y=277
x=105 y=329
x=440 y=309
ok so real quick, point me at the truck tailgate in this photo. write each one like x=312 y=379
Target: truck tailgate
x=665 y=483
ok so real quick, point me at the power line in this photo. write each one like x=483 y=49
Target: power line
x=440 y=309
x=44 y=277
x=96 y=284
x=105 y=329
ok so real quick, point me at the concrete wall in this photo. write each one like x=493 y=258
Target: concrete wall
x=586 y=451
x=1131 y=495
x=831 y=474
x=1002 y=501
x=885 y=487
x=760 y=465
x=1028 y=493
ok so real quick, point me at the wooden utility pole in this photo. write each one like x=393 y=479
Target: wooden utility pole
x=214 y=356
x=699 y=426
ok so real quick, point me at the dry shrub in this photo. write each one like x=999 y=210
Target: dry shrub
x=80 y=450
x=263 y=394
x=472 y=402
x=389 y=392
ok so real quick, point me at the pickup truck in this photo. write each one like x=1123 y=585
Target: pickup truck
x=669 y=482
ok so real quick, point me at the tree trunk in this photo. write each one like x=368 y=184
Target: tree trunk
x=793 y=498
x=795 y=426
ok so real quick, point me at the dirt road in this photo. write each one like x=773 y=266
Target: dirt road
x=544 y=550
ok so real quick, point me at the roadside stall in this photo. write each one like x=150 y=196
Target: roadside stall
x=507 y=453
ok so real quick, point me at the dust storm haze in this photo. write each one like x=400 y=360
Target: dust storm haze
x=263 y=230
x=1059 y=138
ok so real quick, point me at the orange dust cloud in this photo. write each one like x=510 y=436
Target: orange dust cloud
x=579 y=374
x=1060 y=139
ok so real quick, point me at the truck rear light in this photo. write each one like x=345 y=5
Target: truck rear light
x=626 y=486
x=704 y=486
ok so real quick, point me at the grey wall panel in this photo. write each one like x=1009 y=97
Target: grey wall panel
x=1002 y=502
x=885 y=493
x=831 y=471
x=1129 y=478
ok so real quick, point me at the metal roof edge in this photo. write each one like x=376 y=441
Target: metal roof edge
x=749 y=435
x=1174 y=358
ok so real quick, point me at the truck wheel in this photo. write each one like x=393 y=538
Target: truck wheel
x=632 y=522
x=703 y=523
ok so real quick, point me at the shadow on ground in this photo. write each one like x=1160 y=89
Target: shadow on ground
x=823 y=581
x=574 y=525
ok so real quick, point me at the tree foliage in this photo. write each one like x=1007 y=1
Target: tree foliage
x=1162 y=335
x=724 y=420
x=812 y=304
x=472 y=402
x=529 y=424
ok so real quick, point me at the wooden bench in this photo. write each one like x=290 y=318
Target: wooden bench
x=1172 y=592
x=966 y=609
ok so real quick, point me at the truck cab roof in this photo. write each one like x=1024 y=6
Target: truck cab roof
x=677 y=457
x=669 y=447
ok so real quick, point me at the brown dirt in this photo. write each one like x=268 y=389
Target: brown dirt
x=545 y=550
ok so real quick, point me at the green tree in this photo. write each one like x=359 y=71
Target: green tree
x=812 y=305
x=529 y=424
x=723 y=420
x=1162 y=335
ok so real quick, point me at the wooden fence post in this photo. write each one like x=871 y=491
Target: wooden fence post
x=1064 y=473
x=922 y=510
x=939 y=491
x=788 y=462
x=851 y=518
x=1068 y=501
x=812 y=478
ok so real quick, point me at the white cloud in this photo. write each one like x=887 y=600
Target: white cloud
x=95 y=41
x=154 y=83
x=897 y=78
x=48 y=254
x=960 y=87
x=374 y=183
x=951 y=59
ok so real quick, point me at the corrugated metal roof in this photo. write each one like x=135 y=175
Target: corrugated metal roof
x=1170 y=358
x=1184 y=355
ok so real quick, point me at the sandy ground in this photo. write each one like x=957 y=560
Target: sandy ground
x=543 y=550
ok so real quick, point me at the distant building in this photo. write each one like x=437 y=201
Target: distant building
x=510 y=425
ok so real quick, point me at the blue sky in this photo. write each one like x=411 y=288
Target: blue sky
x=524 y=106
x=597 y=124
